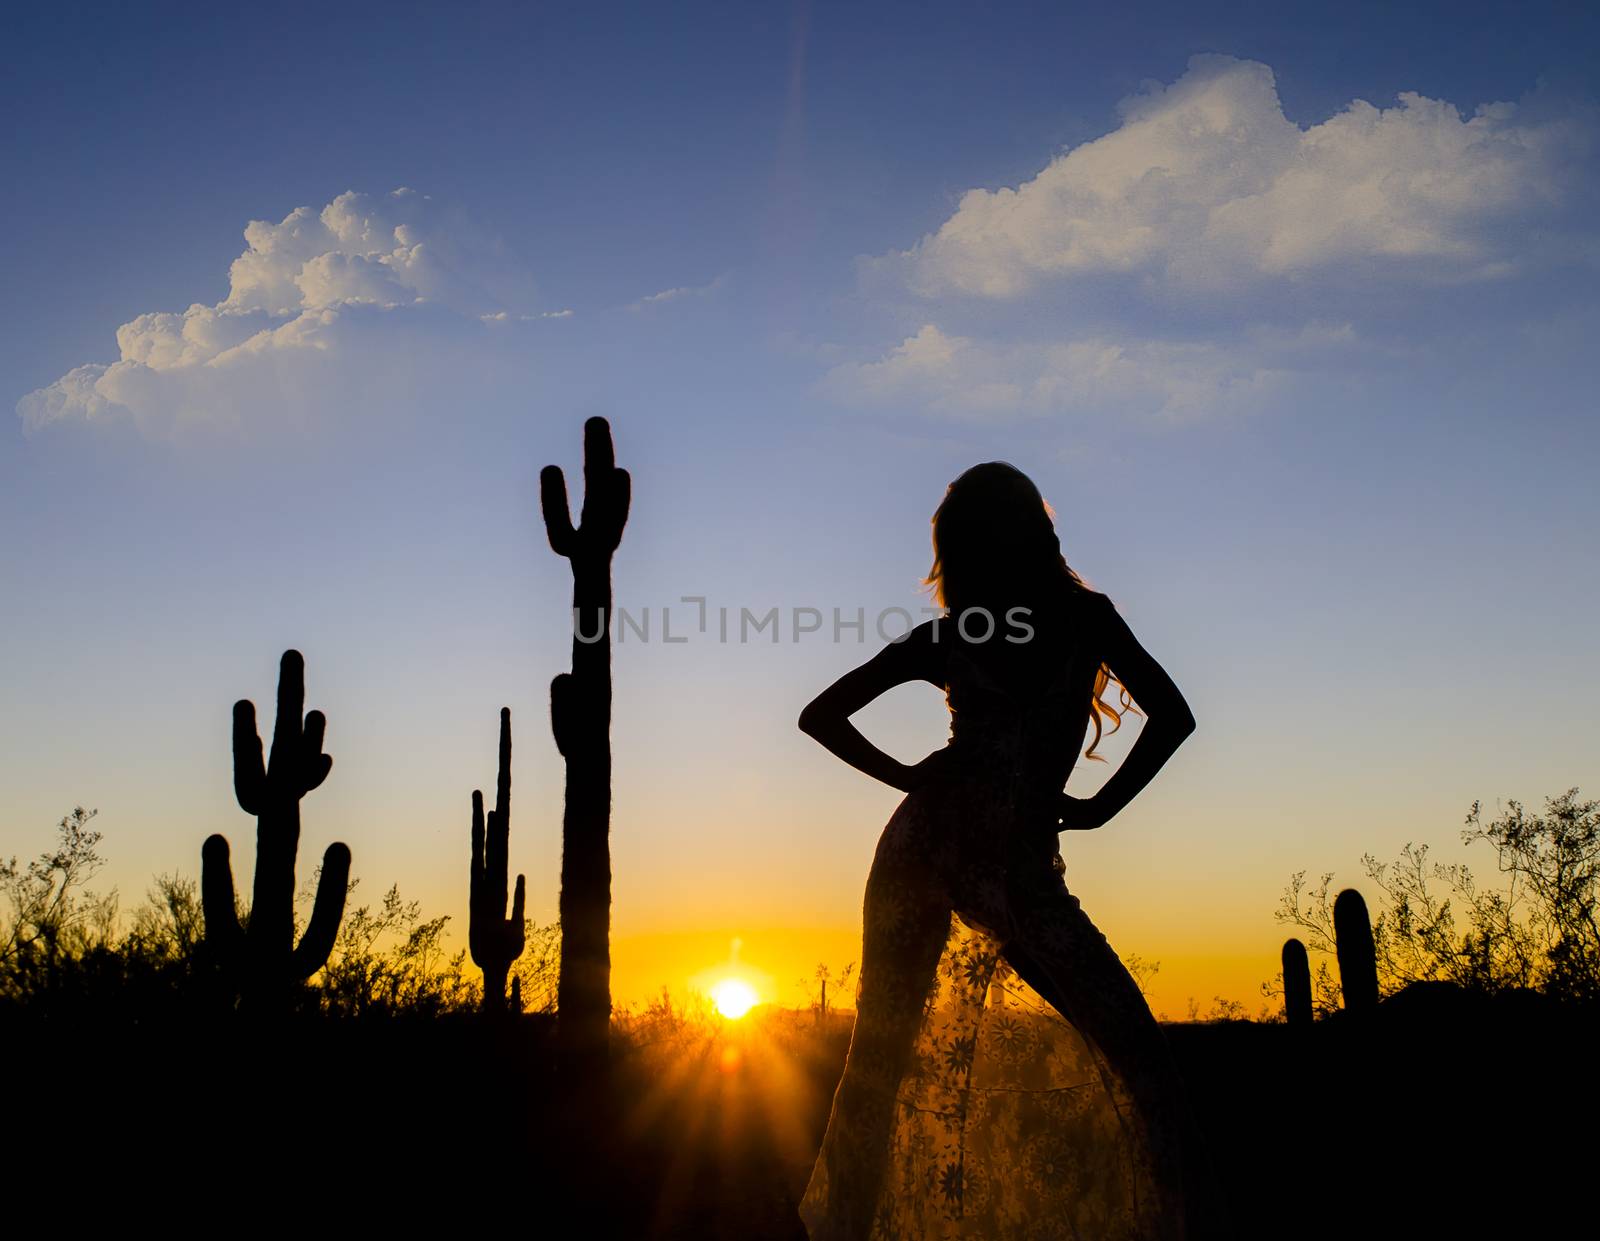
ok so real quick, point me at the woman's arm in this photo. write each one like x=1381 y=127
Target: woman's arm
x=1168 y=721
x=826 y=717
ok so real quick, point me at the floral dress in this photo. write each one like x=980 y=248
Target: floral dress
x=1005 y=1076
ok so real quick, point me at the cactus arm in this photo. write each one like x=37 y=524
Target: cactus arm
x=249 y=773
x=557 y=515
x=314 y=764
x=311 y=954
x=621 y=502
x=519 y=917
x=563 y=711
x=216 y=896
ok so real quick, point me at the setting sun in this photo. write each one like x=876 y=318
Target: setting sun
x=734 y=997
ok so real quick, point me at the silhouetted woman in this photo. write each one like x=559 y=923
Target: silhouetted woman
x=1005 y=1076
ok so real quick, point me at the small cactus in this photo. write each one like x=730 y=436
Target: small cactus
x=1358 y=962
x=580 y=717
x=495 y=940
x=1296 y=984
x=261 y=957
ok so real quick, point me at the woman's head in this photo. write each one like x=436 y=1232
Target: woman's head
x=995 y=548
x=995 y=544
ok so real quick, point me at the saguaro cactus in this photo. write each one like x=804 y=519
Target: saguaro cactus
x=580 y=716
x=1358 y=962
x=495 y=940
x=262 y=956
x=1296 y=984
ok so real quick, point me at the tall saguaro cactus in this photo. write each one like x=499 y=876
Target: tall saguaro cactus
x=1358 y=963
x=262 y=956
x=580 y=716
x=495 y=940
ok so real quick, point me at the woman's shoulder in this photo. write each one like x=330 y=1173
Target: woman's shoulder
x=1091 y=606
x=923 y=649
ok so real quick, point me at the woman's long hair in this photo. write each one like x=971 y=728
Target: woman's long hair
x=995 y=548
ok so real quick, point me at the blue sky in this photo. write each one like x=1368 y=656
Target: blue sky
x=1294 y=335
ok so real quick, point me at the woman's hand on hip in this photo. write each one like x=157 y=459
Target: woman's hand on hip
x=1078 y=814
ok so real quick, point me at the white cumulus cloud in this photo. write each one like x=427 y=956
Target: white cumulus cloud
x=1209 y=255
x=1206 y=183
x=359 y=276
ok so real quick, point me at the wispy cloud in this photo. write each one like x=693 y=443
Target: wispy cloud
x=681 y=293
x=501 y=316
x=975 y=380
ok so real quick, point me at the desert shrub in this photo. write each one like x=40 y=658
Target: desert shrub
x=56 y=933
x=66 y=950
x=1536 y=929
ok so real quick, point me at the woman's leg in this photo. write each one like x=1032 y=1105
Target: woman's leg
x=1060 y=953
x=906 y=921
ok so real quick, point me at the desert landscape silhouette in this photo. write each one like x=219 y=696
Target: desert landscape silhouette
x=292 y=1034
x=836 y=622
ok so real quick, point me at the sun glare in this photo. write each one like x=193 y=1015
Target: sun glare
x=734 y=997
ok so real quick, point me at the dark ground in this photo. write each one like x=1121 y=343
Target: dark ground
x=1441 y=1117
